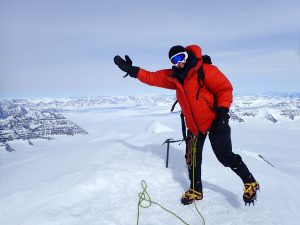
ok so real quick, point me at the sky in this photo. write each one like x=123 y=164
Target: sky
x=65 y=48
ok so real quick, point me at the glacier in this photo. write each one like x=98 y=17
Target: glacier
x=95 y=178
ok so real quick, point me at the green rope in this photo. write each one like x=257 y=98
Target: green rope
x=194 y=150
x=145 y=197
x=194 y=165
x=199 y=213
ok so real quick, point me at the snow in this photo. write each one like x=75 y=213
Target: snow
x=95 y=178
x=156 y=128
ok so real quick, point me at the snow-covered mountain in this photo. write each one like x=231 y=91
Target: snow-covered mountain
x=274 y=109
x=27 y=121
x=243 y=107
x=95 y=178
x=43 y=118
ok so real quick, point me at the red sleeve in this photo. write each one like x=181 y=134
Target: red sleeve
x=158 y=78
x=218 y=83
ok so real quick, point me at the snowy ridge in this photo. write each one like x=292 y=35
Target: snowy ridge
x=86 y=103
x=269 y=107
x=42 y=118
x=95 y=178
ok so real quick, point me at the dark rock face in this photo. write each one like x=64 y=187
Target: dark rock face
x=27 y=122
x=290 y=113
x=234 y=117
x=8 y=148
x=271 y=118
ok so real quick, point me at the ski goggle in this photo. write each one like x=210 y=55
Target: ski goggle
x=178 y=58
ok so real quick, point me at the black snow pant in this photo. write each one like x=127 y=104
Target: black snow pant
x=220 y=140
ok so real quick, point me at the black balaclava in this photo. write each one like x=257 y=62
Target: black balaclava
x=181 y=74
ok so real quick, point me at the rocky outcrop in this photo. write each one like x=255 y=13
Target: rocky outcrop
x=27 y=122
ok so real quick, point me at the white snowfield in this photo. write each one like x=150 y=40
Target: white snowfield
x=95 y=179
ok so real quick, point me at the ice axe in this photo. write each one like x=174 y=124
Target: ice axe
x=168 y=141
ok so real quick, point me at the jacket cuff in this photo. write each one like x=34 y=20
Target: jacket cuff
x=134 y=71
x=222 y=113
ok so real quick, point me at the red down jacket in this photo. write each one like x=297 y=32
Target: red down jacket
x=199 y=114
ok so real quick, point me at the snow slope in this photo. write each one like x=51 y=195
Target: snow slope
x=95 y=178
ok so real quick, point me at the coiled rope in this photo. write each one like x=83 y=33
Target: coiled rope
x=145 y=197
x=145 y=202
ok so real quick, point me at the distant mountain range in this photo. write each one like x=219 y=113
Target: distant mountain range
x=19 y=120
x=43 y=118
x=273 y=109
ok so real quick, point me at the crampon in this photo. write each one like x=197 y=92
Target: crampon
x=190 y=196
x=250 y=192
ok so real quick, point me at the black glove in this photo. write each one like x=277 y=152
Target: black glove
x=222 y=114
x=220 y=124
x=126 y=66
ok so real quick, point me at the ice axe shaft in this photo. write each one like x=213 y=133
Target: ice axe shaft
x=168 y=141
x=167 y=159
